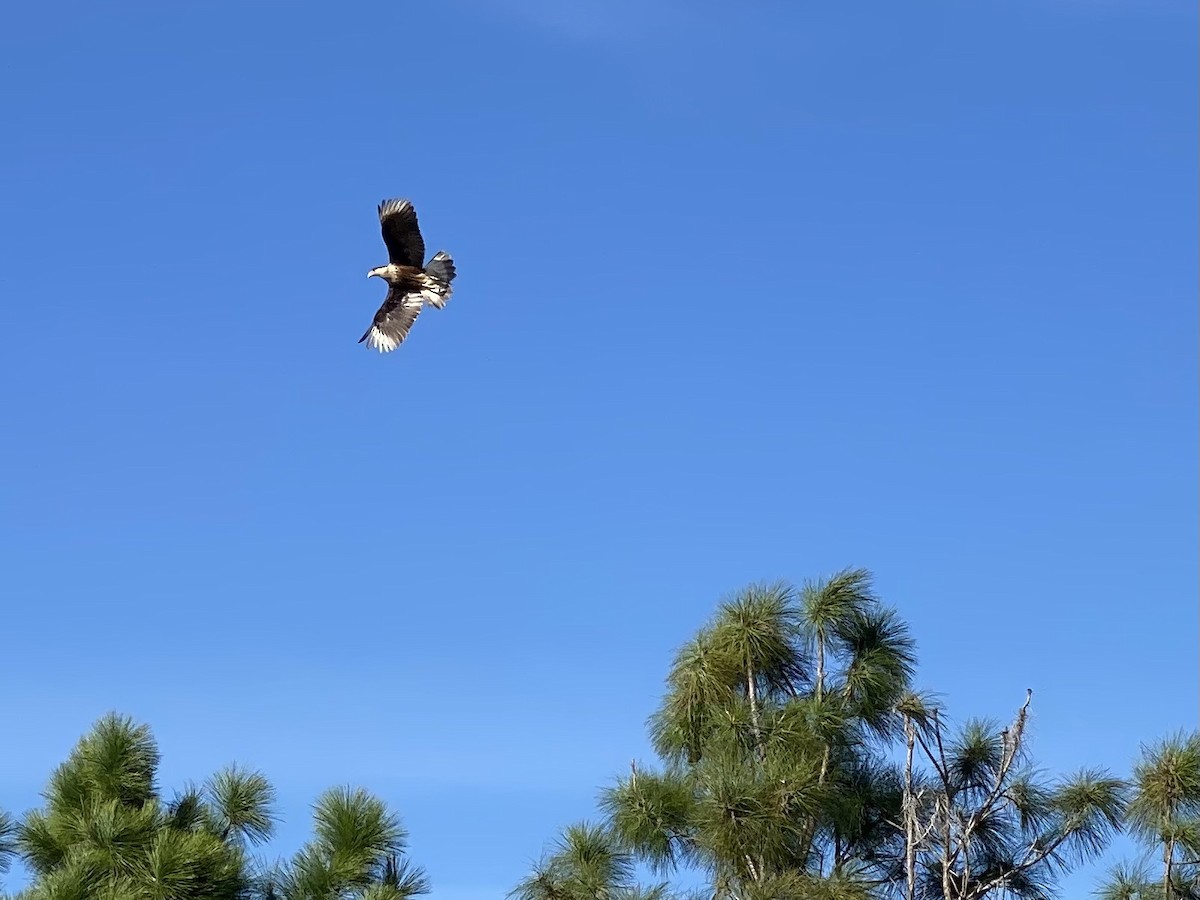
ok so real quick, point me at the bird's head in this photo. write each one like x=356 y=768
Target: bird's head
x=377 y=272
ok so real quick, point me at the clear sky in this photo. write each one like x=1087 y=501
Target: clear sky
x=745 y=292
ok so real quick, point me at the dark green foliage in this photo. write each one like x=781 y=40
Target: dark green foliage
x=1164 y=815
x=240 y=805
x=8 y=840
x=798 y=762
x=586 y=864
x=979 y=821
x=773 y=780
x=357 y=851
x=104 y=833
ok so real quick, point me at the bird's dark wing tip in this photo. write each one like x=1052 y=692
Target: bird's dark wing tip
x=394 y=206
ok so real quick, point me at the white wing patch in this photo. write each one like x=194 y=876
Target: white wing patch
x=388 y=207
x=384 y=343
x=435 y=292
x=435 y=298
x=393 y=322
x=395 y=318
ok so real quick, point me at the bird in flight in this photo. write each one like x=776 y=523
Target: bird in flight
x=411 y=283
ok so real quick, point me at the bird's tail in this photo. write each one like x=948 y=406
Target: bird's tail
x=441 y=267
x=441 y=270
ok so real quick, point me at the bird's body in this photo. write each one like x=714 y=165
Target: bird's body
x=411 y=283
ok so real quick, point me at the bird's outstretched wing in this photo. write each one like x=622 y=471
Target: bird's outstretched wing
x=391 y=324
x=401 y=233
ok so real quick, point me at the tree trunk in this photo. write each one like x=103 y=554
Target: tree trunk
x=947 y=850
x=910 y=814
x=1168 y=859
x=752 y=693
x=820 y=685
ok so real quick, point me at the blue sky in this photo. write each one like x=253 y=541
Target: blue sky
x=744 y=293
